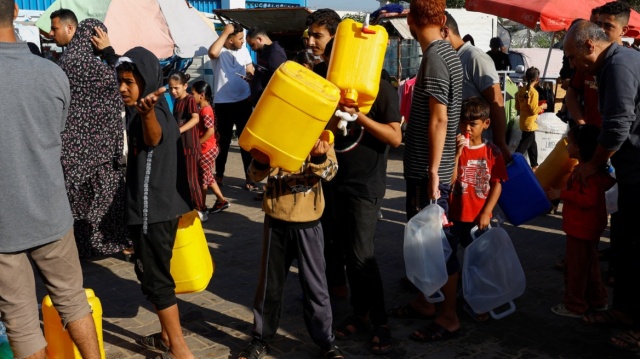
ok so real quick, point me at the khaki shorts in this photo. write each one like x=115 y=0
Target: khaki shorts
x=59 y=266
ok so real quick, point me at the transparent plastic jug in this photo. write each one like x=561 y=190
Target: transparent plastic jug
x=426 y=250
x=491 y=273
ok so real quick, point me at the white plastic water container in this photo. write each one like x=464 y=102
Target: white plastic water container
x=426 y=250
x=491 y=273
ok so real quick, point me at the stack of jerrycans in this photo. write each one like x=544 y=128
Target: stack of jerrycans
x=356 y=62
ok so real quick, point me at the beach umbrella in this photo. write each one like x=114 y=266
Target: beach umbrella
x=164 y=27
x=553 y=15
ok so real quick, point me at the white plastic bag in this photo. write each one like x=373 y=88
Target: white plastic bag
x=491 y=273
x=426 y=250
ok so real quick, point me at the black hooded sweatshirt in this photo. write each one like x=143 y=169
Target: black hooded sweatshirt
x=157 y=188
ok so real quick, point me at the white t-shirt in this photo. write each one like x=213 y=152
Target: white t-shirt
x=227 y=86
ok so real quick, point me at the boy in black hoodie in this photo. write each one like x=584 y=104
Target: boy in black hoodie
x=156 y=192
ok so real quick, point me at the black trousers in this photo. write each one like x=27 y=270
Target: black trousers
x=626 y=292
x=153 y=253
x=356 y=219
x=227 y=115
x=528 y=144
x=282 y=243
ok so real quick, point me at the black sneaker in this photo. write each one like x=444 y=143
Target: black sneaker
x=219 y=207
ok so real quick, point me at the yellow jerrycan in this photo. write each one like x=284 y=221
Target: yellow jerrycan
x=290 y=116
x=59 y=344
x=555 y=170
x=191 y=263
x=356 y=62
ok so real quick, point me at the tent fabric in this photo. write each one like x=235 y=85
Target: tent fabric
x=553 y=15
x=164 y=27
x=195 y=36
x=127 y=29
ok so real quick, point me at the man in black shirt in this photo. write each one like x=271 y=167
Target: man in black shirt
x=500 y=59
x=270 y=56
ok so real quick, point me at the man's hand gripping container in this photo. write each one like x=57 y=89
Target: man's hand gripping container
x=356 y=62
x=191 y=264
x=59 y=344
x=290 y=116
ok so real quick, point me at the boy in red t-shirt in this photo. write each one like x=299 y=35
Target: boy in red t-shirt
x=477 y=178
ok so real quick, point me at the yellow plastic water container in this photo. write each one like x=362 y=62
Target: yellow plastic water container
x=290 y=116
x=356 y=62
x=191 y=264
x=555 y=170
x=59 y=344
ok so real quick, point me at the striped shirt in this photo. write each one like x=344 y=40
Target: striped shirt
x=440 y=76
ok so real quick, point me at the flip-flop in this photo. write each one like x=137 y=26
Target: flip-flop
x=384 y=344
x=153 y=342
x=434 y=333
x=407 y=311
x=357 y=325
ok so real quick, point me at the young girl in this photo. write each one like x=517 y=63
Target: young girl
x=185 y=110
x=527 y=104
x=201 y=92
x=584 y=217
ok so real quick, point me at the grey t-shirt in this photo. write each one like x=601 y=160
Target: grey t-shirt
x=34 y=208
x=479 y=72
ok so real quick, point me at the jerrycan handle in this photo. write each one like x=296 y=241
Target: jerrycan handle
x=365 y=26
x=436 y=297
x=475 y=229
x=512 y=308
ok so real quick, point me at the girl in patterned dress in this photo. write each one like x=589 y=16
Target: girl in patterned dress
x=201 y=91
x=185 y=111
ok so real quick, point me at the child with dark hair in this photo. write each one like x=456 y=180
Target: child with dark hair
x=477 y=180
x=185 y=110
x=527 y=103
x=157 y=193
x=201 y=92
x=584 y=217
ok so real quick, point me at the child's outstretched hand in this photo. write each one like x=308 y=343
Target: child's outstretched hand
x=146 y=104
x=553 y=193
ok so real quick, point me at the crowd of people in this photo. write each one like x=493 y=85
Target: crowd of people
x=63 y=162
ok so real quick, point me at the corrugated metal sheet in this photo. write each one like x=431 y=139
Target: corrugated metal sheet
x=34 y=4
x=400 y=24
x=277 y=21
x=206 y=5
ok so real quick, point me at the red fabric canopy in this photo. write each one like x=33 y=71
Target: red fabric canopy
x=553 y=15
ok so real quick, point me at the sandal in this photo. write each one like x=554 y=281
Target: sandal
x=407 y=311
x=381 y=341
x=153 y=342
x=434 y=333
x=350 y=328
x=606 y=317
x=628 y=341
x=255 y=350
x=251 y=187
x=333 y=353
